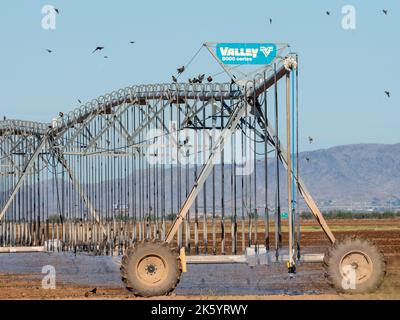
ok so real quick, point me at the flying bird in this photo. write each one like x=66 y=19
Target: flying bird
x=98 y=49
x=174 y=79
x=308 y=159
x=270 y=20
x=105 y=57
x=94 y=291
x=387 y=93
x=201 y=77
x=49 y=51
x=131 y=42
x=61 y=114
x=385 y=11
x=80 y=101
x=57 y=11
x=310 y=139
x=328 y=13
x=181 y=69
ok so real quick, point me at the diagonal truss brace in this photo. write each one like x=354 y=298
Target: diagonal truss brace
x=225 y=138
x=283 y=154
x=78 y=187
x=21 y=179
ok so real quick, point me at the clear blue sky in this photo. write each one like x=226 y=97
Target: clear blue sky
x=343 y=73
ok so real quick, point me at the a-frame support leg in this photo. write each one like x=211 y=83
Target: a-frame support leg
x=21 y=179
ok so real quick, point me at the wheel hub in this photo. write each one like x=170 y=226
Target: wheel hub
x=151 y=269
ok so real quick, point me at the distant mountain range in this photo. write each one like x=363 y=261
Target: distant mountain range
x=362 y=175
x=353 y=177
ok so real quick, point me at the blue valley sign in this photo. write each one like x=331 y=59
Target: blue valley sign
x=246 y=53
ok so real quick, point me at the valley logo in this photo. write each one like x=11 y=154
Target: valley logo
x=246 y=53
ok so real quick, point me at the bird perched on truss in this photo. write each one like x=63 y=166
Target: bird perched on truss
x=270 y=20
x=57 y=11
x=308 y=159
x=98 y=49
x=310 y=140
x=328 y=13
x=201 y=77
x=181 y=70
x=387 y=93
x=61 y=114
x=174 y=79
x=209 y=79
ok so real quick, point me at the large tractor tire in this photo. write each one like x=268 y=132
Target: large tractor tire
x=151 y=268
x=354 y=266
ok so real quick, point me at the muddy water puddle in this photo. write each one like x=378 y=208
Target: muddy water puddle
x=228 y=279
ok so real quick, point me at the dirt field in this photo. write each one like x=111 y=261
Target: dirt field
x=20 y=276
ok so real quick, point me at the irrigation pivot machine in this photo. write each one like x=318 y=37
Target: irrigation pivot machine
x=170 y=174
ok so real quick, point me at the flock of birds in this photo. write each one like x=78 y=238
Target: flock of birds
x=98 y=48
x=328 y=13
x=199 y=79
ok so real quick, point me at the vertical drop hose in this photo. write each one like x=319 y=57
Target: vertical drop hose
x=292 y=209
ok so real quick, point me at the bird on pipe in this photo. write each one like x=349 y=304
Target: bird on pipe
x=181 y=70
